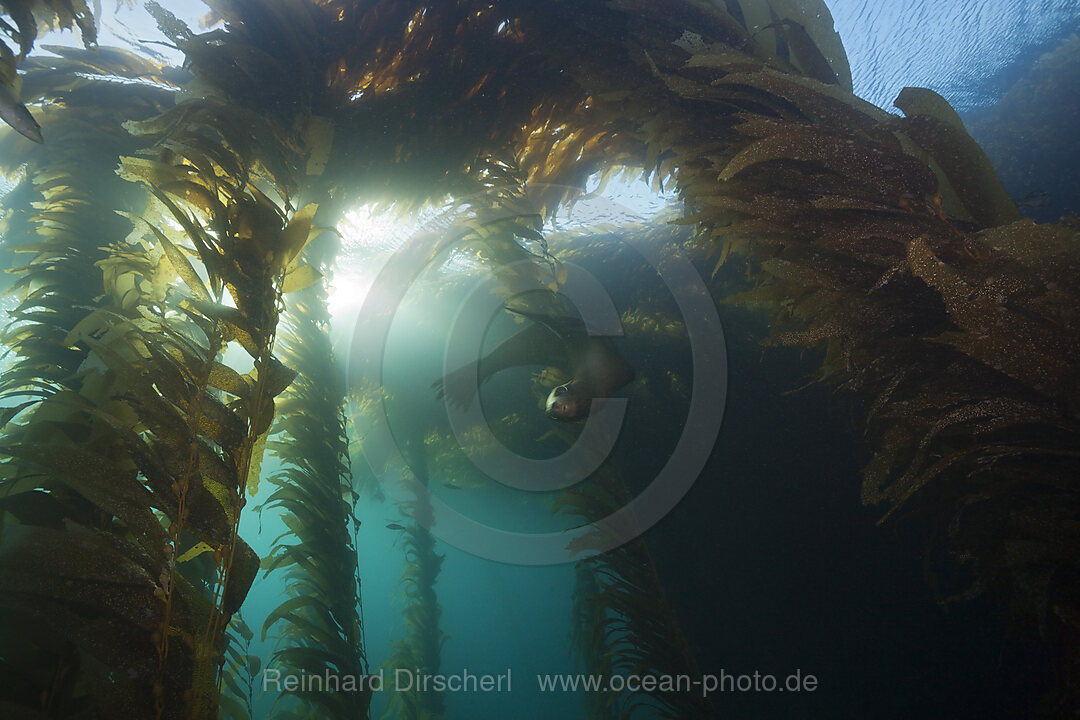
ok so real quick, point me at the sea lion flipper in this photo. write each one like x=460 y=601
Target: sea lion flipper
x=569 y=329
x=533 y=345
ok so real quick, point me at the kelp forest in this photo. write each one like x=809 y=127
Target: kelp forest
x=171 y=234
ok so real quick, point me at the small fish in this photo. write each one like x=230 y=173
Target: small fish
x=451 y=486
x=394 y=526
x=1035 y=199
x=15 y=114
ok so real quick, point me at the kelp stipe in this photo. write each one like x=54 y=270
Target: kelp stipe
x=320 y=632
x=244 y=244
x=139 y=448
x=420 y=651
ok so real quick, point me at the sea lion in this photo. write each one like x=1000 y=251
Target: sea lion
x=593 y=363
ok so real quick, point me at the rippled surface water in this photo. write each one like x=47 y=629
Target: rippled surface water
x=964 y=49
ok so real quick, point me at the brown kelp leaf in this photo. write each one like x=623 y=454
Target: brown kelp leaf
x=805 y=55
x=209 y=252
x=1048 y=250
x=25 y=24
x=39 y=559
x=211 y=512
x=296 y=235
x=225 y=378
x=951 y=204
x=15 y=114
x=934 y=125
x=112 y=640
x=220 y=424
x=194 y=551
x=679 y=85
x=824 y=104
x=223 y=489
x=278 y=377
x=816 y=41
x=34 y=507
x=258 y=450
x=1006 y=341
x=233 y=322
x=260 y=423
x=178 y=260
x=888 y=174
x=110 y=485
x=288 y=607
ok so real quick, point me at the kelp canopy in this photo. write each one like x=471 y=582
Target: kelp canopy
x=888 y=241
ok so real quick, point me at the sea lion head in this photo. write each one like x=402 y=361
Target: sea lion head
x=565 y=404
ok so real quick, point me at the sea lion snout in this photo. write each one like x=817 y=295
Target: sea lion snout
x=564 y=404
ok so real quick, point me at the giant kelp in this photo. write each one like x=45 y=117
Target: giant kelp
x=961 y=338
x=66 y=486
x=420 y=651
x=323 y=634
x=150 y=436
x=622 y=623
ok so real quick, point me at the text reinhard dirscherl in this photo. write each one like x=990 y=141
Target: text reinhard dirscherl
x=401 y=680
x=410 y=680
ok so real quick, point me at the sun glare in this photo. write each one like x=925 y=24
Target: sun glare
x=371 y=233
x=369 y=236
